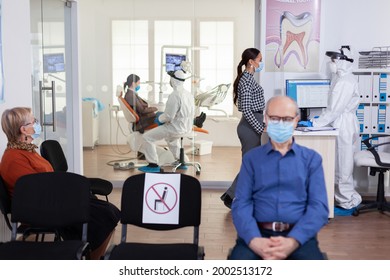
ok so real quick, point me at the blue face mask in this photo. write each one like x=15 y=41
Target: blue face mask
x=280 y=132
x=137 y=88
x=261 y=66
x=37 y=130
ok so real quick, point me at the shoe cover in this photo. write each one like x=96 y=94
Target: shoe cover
x=148 y=169
x=183 y=167
x=338 y=211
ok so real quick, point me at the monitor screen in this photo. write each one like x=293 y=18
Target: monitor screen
x=53 y=63
x=173 y=61
x=309 y=93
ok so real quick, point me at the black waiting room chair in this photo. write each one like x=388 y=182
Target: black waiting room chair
x=54 y=201
x=132 y=207
x=5 y=203
x=5 y=208
x=52 y=151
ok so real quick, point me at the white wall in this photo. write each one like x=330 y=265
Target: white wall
x=17 y=67
x=16 y=57
x=95 y=42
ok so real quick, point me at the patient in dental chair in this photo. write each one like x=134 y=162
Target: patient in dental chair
x=146 y=114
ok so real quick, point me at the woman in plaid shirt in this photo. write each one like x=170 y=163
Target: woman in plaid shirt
x=248 y=96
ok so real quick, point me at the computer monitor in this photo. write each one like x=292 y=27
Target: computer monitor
x=53 y=63
x=308 y=93
x=173 y=61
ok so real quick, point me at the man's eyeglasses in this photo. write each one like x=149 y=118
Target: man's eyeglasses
x=33 y=122
x=277 y=119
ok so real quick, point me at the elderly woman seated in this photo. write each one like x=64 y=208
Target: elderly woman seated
x=21 y=158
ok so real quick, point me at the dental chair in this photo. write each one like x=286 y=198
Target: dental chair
x=212 y=98
x=135 y=138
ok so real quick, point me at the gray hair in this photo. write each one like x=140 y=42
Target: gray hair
x=282 y=96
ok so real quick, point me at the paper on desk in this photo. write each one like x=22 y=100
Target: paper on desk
x=308 y=129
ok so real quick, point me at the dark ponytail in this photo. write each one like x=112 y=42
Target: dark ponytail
x=132 y=78
x=248 y=54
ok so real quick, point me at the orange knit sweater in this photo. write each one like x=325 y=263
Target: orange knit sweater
x=16 y=163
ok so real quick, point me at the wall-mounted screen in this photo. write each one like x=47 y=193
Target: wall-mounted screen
x=53 y=63
x=308 y=93
x=173 y=61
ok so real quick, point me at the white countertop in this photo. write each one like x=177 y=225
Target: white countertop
x=333 y=132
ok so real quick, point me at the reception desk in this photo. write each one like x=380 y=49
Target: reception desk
x=323 y=142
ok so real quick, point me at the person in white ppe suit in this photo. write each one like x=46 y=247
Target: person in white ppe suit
x=176 y=120
x=341 y=114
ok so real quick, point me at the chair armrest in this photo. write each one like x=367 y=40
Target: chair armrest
x=367 y=140
x=377 y=156
x=100 y=186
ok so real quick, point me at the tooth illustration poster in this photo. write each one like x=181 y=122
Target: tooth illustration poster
x=292 y=35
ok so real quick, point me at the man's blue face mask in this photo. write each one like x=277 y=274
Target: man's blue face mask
x=280 y=132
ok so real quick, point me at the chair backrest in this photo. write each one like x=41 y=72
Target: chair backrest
x=130 y=115
x=189 y=204
x=221 y=93
x=212 y=97
x=51 y=200
x=5 y=202
x=52 y=151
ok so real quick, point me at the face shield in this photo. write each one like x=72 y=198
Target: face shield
x=340 y=63
x=177 y=78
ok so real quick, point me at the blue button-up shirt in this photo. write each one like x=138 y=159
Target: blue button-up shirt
x=276 y=188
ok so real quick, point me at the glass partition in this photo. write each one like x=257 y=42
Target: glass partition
x=143 y=37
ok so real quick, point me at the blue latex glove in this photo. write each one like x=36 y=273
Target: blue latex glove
x=305 y=123
x=156 y=119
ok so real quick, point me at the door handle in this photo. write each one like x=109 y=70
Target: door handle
x=42 y=88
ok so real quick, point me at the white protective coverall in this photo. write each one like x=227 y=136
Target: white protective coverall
x=341 y=114
x=177 y=118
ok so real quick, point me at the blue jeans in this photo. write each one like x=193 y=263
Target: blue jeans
x=307 y=251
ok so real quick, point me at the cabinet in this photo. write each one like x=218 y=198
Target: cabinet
x=323 y=142
x=90 y=124
x=374 y=118
x=374 y=110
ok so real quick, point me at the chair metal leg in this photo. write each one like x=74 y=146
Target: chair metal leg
x=182 y=162
x=380 y=203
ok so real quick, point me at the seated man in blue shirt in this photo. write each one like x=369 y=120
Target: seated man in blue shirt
x=281 y=201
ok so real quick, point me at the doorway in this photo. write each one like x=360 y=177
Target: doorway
x=56 y=99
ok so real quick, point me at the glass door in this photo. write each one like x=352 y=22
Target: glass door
x=52 y=41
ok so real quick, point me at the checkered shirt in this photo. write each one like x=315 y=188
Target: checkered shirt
x=250 y=100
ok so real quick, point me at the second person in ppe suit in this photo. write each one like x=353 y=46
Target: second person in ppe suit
x=341 y=114
x=176 y=120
